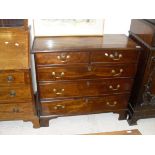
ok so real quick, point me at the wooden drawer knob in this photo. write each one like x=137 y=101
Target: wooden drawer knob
x=12 y=93
x=10 y=78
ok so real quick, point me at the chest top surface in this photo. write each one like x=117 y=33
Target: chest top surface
x=71 y=43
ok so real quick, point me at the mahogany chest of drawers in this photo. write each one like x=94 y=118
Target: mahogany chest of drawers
x=84 y=75
x=16 y=95
x=142 y=100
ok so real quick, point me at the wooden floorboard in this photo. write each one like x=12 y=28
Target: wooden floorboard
x=123 y=132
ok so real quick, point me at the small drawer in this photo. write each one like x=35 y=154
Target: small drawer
x=15 y=94
x=15 y=109
x=84 y=88
x=85 y=105
x=8 y=77
x=63 y=73
x=114 y=71
x=115 y=56
x=62 y=58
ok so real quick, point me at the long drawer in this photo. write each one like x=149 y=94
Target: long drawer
x=62 y=58
x=12 y=110
x=11 y=94
x=84 y=88
x=85 y=72
x=115 y=56
x=84 y=105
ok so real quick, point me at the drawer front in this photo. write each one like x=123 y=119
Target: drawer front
x=22 y=93
x=14 y=51
x=115 y=56
x=62 y=58
x=85 y=105
x=16 y=109
x=12 y=77
x=63 y=73
x=84 y=88
x=83 y=72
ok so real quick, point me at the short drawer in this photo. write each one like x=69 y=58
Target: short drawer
x=114 y=56
x=13 y=77
x=84 y=88
x=15 y=109
x=17 y=94
x=62 y=58
x=85 y=72
x=63 y=73
x=85 y=105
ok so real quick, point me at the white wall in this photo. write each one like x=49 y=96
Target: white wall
x=117 y=26
x=111 y=26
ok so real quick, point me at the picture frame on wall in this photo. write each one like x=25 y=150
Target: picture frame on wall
x=68 y=27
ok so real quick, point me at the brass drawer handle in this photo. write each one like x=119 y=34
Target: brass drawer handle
x=10 y=78
x=117 y=87
x=117 y=74
x=6 y=42
x=17 y=44
x=12 y=93
x=114 y=56
x=58 y=92
x=59 y=107
x=112 y=104
x=60 y=75
x=63 y=57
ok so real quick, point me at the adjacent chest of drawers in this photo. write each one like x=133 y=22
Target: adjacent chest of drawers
x=84 y=75
x=16 y=95
x=142 y=101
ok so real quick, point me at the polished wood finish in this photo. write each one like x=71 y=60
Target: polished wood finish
x=85 y=72
x=108 y=42
x=84 y=88
x=16 y=95
x=143 y=93
x=124 y=132
x=14 y=47
x=84 y=75
x=62 y=58
x=84 y=105
x=115 y=56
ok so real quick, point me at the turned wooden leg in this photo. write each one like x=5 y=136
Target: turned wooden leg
x=122 y=115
